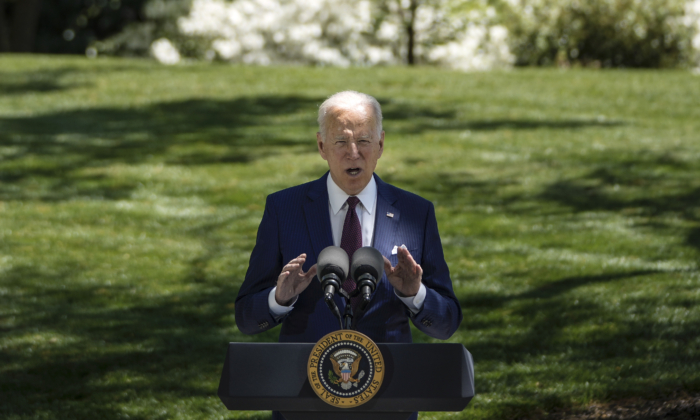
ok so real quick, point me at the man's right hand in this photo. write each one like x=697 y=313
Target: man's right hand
x=293 y=280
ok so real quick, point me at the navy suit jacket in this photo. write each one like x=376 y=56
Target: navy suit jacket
x=296 y=221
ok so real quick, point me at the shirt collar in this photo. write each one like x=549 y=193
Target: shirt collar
x=338 y=197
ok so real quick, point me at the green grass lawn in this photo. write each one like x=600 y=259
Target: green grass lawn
x=130 y=195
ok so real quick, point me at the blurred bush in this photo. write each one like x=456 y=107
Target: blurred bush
x=160 y=23
x=454 y=33
x=460 y=34
x=607 y=33
x=69 y=26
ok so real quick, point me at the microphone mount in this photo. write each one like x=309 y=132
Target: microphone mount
x=333 y=264
x=367 y=268
x=330 y=281
x=366 y=284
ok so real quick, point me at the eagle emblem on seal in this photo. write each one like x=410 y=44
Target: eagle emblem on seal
x=346 y=363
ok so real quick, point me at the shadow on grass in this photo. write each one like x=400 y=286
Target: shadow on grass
x=37 y=81
x=652 y=196
x=58 y=147
x=651 y=187
x=108 y=351
x=596 y=327
x=422 y=119
x=549 y=336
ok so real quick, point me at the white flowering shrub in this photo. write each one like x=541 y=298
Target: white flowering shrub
x=165 y=52
x=609 y=33
x=346 y=32
x=322 y=32
x=479 y=47
x=692 y=20
x=458 y=34
x=461 y=34
x=160 y=23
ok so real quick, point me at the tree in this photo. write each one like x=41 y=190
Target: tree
x=18 y=27
x=406 y=12
x=70 y=26
x=607 y=33
x=4 y=33
x=62 y=26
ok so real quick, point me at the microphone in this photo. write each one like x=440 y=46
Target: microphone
x=332 y=268
x=367 y=268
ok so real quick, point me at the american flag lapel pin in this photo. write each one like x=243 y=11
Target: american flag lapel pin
x=390 y=214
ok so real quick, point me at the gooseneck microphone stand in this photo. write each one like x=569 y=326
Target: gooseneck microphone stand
x=333 y=270
x=347 y=322
x=348 y=317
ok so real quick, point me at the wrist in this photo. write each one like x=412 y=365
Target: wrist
x=283 y=302
x=408 y=293
x=399 y=293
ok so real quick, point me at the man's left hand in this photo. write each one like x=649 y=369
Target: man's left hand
x=406 y=276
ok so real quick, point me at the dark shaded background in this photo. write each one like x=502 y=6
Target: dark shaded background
x=63 y=26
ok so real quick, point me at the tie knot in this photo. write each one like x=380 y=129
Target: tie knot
x=352 y=202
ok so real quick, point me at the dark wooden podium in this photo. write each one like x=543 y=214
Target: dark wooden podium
x=419 y=377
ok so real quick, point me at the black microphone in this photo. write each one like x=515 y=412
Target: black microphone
x=367 y=268
x=332 y=271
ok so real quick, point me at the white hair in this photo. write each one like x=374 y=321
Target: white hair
x=348 y=99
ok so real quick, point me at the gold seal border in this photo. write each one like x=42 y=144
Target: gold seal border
x=328 y=340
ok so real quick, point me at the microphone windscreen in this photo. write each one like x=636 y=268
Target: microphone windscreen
x=367 y=260
x=333 y=259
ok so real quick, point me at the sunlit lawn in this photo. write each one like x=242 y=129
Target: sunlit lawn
x=130 y=194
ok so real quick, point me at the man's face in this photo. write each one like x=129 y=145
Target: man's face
x=352 y=148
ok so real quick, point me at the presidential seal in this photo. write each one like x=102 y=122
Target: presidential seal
x=346 y=368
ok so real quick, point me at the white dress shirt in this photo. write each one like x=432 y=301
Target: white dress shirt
x=366 y=212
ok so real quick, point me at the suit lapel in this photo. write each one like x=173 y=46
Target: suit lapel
x=386 y=220
x=317 y=217
x=318 y=222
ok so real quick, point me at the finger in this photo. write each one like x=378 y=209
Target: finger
x=406 y=261
x=419 y=271
x=312 y=271
x=406 y=254
x=283 y=275
x=401 y=254
x=300 y=259
x=291 y=267
x=304 y=282
x=388 y=269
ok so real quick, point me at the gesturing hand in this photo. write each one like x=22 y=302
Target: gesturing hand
x=293 y=280
x=406 y=276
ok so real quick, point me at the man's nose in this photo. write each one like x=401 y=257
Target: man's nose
x=354 y=151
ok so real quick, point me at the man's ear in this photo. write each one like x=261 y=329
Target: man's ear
x=320 y=144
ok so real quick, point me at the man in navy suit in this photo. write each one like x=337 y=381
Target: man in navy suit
x=299 y=222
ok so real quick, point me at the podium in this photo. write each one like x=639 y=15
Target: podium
x=419 y=377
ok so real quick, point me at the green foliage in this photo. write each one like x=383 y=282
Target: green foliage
x=608 y=33
x=332 y=377
x=160 y=21
x=69 y=26
x=130 y=195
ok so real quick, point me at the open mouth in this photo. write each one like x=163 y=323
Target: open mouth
x=353 y=171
